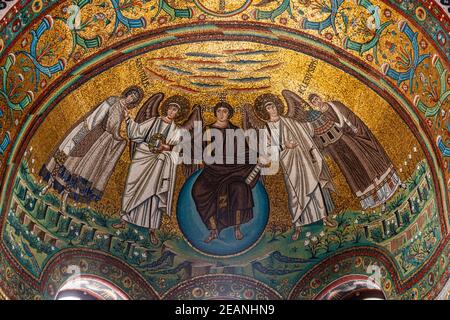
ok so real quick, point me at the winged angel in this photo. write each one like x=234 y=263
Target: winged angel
x=346 y=139
x=307 y=178
x=151 y=176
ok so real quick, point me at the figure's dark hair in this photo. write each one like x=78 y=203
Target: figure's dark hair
x=223 y=104
x=262 y=100
x=312 y=96
x=181 y=101
x=134 y=90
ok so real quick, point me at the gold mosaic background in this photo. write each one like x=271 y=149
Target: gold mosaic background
x=328 y=81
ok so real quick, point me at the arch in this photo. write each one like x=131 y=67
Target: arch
x=77 y=263
x=89 y=287
x=376 y=254
x=353 y=286
x=223 y=286
x=251 y=32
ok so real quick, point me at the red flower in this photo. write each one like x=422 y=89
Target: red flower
x=202 y=17
x=429 y=123
x=315 y=283
x=387 y=13
x=369 y=57
x=16 y=25
x=162 y=20
x=248 y=294
x=329 y=36
x=77 y=56
x=423 y=44
x=119 y=33
x=245 y=17
x=336 y=268
x=100 y=16
x=387 y=285
x=405 y=87
x=283 y=20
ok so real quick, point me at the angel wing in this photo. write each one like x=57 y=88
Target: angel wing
x=250 y=120
x=194 y=117
x=148 y=110
x=298 y=108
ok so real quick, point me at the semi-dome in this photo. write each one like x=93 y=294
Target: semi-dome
x=213 y=149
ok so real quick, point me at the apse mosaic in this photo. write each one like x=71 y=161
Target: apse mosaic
x=270 y=149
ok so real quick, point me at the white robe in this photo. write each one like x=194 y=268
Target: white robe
x=92 y=148
x=305 y=171
x=151 y=176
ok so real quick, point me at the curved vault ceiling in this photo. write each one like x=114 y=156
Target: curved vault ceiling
x=387 y=61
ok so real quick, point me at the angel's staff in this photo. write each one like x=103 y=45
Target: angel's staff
x=150 y=184
x=308 y=181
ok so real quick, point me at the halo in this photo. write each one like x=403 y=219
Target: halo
x=224 y=104
x=139 y=91
x=182 y=102
x=262 y=100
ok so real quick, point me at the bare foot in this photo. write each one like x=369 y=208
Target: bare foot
x=119 y=225
x=64 y=202
x=296 y=234
x=237 y=233
x=212 y=235
x=45 y=190
x=328 y=223
x=153 y=237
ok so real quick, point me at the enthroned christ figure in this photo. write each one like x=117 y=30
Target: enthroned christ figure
x=222 y=193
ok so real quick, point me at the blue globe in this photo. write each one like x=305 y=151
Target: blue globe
x=196 y=232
